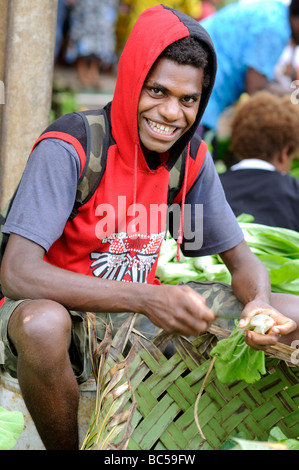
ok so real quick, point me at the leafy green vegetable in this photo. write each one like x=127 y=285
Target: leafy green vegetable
x=276 y=441
x=277 y=249
x=11 y=427
x=245 y=444
x=276 y=435
x=235 y=360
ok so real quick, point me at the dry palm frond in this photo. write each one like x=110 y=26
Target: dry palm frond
x=114 y=391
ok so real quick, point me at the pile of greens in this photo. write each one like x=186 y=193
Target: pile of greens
x=277 y=248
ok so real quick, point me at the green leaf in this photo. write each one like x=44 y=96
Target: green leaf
x=245 y=218
x=286 y=273
x=243 y=444
x=272 y=261
x=276 y=435
x=217 y=272
x=202 y=262
x=174 y=271
x=291 y=444
x=11 y=427
x=235 y=360
x=274 y=238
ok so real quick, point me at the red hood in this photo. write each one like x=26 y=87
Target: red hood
x=155 y=29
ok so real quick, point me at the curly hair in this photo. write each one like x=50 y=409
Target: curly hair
x=263 y=126
x=189 y=51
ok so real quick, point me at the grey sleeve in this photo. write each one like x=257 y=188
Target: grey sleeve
x=46 y=194
x=210 y=227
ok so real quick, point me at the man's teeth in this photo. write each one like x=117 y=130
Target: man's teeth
x=168 y=130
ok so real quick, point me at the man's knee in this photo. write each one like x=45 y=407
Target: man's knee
x=40 y=323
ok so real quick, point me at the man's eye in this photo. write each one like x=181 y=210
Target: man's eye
x=156 y=91
x=189 y=100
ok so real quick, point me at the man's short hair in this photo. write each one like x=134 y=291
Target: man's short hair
x=189 y=51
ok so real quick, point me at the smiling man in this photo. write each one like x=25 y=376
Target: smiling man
x=56 y=267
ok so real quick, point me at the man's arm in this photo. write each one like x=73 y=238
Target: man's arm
x=25 y=275
x=255 y=81
x=251 y=284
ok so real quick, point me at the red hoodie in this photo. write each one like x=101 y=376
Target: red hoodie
x=118 y=233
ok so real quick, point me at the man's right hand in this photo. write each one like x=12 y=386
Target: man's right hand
x=177 y=309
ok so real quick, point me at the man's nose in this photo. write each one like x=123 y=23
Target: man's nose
x=171 y=109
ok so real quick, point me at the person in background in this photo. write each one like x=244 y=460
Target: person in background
x=286 y=70
x=265 y=139
x=92 y=39
x=249 y=38
x=63 y=10
x=130 y=10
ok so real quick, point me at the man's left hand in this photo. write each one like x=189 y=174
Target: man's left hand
x=283 y=325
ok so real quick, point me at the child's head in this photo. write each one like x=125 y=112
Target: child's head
x=264 y=127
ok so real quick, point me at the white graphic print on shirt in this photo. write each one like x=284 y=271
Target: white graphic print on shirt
x=126 y=258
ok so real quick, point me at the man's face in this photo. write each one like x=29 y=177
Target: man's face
x=168 y=104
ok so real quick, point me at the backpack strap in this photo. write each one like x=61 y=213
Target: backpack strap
x=198 y=151
x=66 y=138
x=98 y=140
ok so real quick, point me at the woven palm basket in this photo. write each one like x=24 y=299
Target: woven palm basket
x=148 y=400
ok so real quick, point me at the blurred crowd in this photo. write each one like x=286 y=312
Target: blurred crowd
x=91 y=33
x=256 y=51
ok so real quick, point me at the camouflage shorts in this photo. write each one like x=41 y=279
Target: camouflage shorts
x=219 y=298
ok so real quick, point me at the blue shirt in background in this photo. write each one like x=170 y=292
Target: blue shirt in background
x=244 y=35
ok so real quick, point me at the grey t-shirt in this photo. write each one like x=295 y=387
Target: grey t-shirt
x=47 y=192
